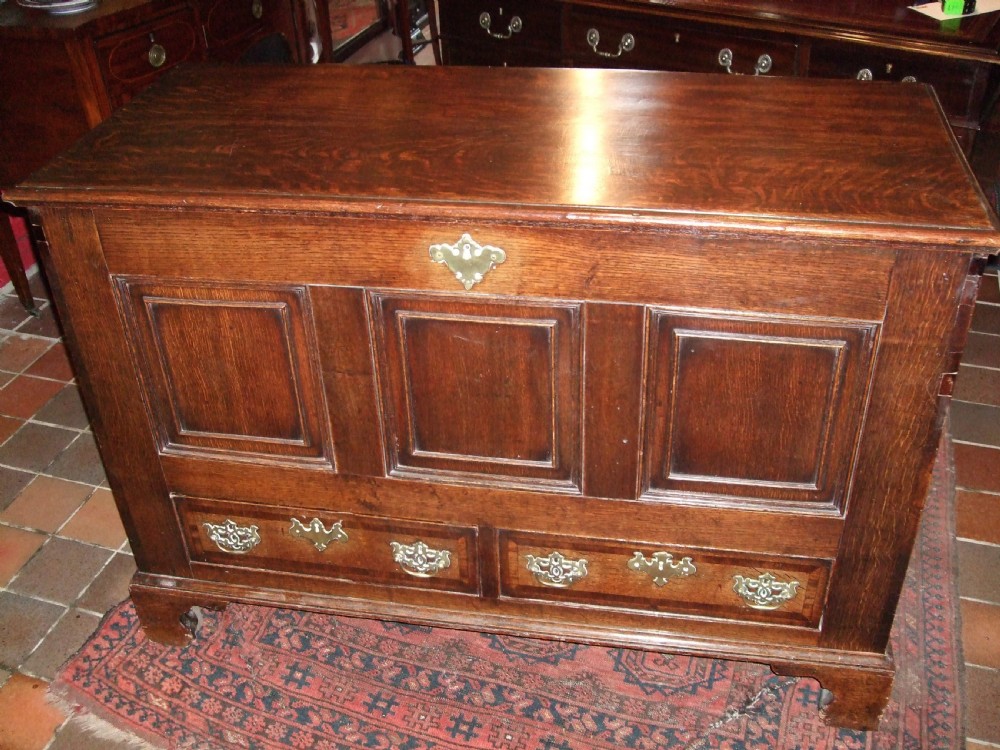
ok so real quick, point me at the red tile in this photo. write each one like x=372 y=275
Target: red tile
x=25 y=395
x=97 y=522
x=977 y=572
x=979 y=385
x=983 y=695
x=53 y=364
x=978 y=516
x=18 y=352
x=16 y=548
x=46 y=503
x=977 y=468
x=29 y=720
x=981 y=633
x=8 y=426
x=982 y=349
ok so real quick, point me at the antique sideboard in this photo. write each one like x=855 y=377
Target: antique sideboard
x=881 y=40
x=578 y=354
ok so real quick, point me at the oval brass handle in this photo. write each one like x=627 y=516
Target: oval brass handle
x=764 y=591
x=157 y=54
x=627 y=44
x=257 y=9
x=419 y=560
x=865 y=74
x=761 y=67
x=909 y=79
x=556 y=570
x=231 y=537
x=514 y=27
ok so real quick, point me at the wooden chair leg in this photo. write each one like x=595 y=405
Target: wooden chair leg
x=12 y=262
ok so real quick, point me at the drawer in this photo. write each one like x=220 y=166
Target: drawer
x=341 y=546
x=598 y=38
x=954 y=81
x=233 y=26
x=132 y=59
x=489 y=32
x=666 y=579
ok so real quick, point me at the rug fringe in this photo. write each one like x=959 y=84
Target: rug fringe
x=97 y=727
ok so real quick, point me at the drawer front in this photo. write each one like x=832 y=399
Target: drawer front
x=233 y=26
x=596 y=38
x=341 y=546
x=131 y=60
x=487 y=32
x=955 y=81
x=667 y=579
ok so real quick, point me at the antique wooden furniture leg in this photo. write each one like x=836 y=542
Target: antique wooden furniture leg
x=12 y=262
x=859 y=695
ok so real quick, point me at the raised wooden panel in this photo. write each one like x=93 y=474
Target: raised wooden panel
x=229 y=369
x=752 y=408
x=484 y=390
x=706 y=590
x=358 y=550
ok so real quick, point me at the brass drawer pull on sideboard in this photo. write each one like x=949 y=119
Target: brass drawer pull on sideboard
x=157 y=54
x=627 y=44
x=419 y=560
x=763 y=65
x=765 y=591
x=865 y=74
x=467 y=259
x=320 y=536
x=513 y=27
x=661 y=566
x=556 y=570
x=257 y=9
x=231 y=537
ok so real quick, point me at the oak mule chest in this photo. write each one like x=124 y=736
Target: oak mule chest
x=634 y=358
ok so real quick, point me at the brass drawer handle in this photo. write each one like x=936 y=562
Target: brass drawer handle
x=661 y=567
x=467 y=259
x=231 y=537
x=419 y=560
x=556 y=570
x=257 y=9
x=762 y=66
x=627 y=44
x=514 y=27
x=865 y=74
x=316 y=533
x=765 y=591
x=157 y=54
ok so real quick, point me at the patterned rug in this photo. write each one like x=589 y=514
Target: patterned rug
x=270 y=678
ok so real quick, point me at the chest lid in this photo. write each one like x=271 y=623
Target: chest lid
x=834 y=158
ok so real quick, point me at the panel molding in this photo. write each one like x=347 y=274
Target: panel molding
x=171 y=321
x=805 y=412
x=527 y=432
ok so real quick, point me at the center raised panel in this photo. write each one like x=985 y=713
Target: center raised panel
x=754 y=409
x=484 y=390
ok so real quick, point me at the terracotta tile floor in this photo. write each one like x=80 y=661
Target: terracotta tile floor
x=64 y=560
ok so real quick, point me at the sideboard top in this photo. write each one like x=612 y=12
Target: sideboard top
x=593 y=146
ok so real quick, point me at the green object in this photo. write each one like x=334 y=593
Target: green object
x=957 y=7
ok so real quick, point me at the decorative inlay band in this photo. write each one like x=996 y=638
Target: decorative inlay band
x=661 y=567
x=231 y=537
x=320 y=536
x=765 y=591
x=467 y=259
x=419 y=560
x=556 y=570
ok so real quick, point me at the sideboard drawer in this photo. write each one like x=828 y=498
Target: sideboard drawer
x=598 y=38
x=666 y=579
x=489 y=32
x=340 y=546
x=954 y=81
x=132 y=59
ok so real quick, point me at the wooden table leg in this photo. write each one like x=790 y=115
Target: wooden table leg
x=12 y=262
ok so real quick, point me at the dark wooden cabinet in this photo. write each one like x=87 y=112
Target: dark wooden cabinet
x=580 y=354
x=881 y=40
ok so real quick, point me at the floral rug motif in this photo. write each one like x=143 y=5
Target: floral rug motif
x=269 y=679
